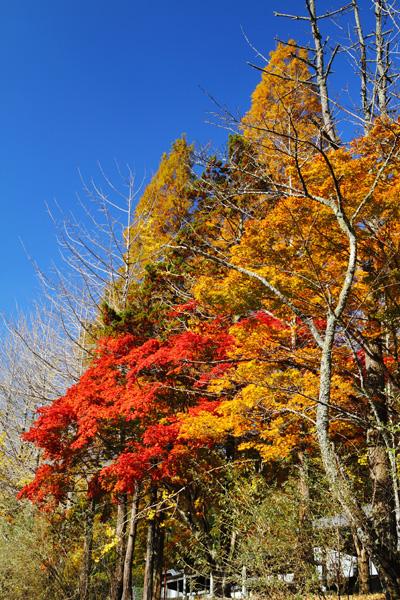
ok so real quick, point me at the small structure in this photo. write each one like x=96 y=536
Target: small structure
x=177 y=584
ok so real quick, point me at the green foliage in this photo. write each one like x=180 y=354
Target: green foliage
x=250 y=526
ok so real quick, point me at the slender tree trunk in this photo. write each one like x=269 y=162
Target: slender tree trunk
x=218 y=581
x=117 y=582
x=322 y=77
x=148 y=583
x=386 y=563
x=381 y=66
x=87 y=552
x=305 y=546
x=225 y=587
x=383 y=511
x=158 y=559
x=382 y=497
x=363 y=67
x=130 y=547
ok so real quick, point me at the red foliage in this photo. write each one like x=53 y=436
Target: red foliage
x=260 y=317
x=180 y=309
x=49 y=486
x=118 y=423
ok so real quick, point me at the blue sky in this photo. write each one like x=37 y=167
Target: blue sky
x=84 y=81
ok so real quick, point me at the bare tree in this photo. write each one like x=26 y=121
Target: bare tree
x=45 y=354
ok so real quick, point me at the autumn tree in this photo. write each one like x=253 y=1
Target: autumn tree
x=309 y=256
x=163 y=207
x=249 y=311
x=100 y=289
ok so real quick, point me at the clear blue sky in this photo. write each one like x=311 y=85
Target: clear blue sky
x=84 y=81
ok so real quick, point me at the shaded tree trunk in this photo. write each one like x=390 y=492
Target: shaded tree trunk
x=305 y=546
x=362 y=566
x=158 y=558
x=130 y=547
x=148 y=583
x=87 y=552
x=382 y=509
x=117 y=582
x=363 y=572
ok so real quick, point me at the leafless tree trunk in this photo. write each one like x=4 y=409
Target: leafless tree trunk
x=322 y=74
x=387 y=566
x=321 y=70
x=381 y=59
x=372 y=54
x=363 y=68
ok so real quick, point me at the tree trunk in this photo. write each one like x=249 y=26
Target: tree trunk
x=130 y=547
x=385 y=562
x=362 y=566
x=363 y=572
x=120 y=531
x=87 y=552
x=381 y=63
x=382 y=497
x=305 y=552
x=218 y=580
x=329 y=126
x=363 y=68
x=158 y=559
x=383 y=513
x=148 y=583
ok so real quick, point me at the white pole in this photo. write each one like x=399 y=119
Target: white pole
x=244 y=591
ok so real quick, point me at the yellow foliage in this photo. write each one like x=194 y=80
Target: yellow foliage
x=162 y=209
x=102 y=550
x=285 y=105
